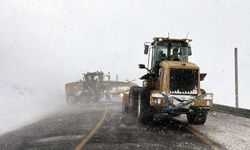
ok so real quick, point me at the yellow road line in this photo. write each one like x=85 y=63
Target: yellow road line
x=91 y=133
x=211 y=143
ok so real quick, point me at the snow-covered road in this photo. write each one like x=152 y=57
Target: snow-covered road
x=20 y=106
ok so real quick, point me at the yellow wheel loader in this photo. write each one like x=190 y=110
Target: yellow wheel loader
x=171 y=86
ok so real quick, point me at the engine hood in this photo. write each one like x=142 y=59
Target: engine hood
x=178 y=64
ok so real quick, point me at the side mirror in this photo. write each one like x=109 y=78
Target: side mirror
x=142 y=66
x=189 y=51
x=146 y=49
x=202 y=76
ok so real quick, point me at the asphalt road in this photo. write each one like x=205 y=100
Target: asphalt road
x=79 y=125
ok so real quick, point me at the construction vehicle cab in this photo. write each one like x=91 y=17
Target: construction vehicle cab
x=167 y=49
x=91 y=77
x=171 y=85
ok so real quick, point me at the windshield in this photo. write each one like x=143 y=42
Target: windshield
x=171 y=53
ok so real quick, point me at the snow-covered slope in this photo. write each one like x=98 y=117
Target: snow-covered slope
x=20 y=106
x=230 y=131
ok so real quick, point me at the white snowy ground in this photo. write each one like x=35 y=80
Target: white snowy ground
x=231 y=131
x=20 y=106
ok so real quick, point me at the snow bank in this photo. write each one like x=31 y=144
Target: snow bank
x=20 y=106
x=233 y=132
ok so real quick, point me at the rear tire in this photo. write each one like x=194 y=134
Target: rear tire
x=197 y=117
x=71 y=100
x=144 y=113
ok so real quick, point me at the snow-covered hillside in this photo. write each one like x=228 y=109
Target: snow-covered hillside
x=23 y=105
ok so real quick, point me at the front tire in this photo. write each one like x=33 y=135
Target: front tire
x=144 y=113
x=203 y=92
x=197 y=117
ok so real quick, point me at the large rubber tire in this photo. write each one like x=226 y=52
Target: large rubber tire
x=133 y=99
x=197 y=117
x=71 y=100
x=203 y=92
x=144 y=113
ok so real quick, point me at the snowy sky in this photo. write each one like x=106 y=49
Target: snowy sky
x=46 y=43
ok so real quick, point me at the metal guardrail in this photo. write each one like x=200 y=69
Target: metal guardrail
x=232 y=110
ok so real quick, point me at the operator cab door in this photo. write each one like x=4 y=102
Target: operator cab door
x=153 y=56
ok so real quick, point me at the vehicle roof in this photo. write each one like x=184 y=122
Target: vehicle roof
x=157 y=40
x=94 y=73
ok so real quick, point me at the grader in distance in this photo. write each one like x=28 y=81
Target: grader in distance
x=93 y=87
x=171 y=86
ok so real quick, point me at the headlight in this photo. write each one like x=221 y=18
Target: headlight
x=209 y=96
x=121 y=94
x=157 y=101
x=157 y=95
x=157 y=98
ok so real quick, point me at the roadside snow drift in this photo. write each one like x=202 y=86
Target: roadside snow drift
x=20 y=106
x=230 y=131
